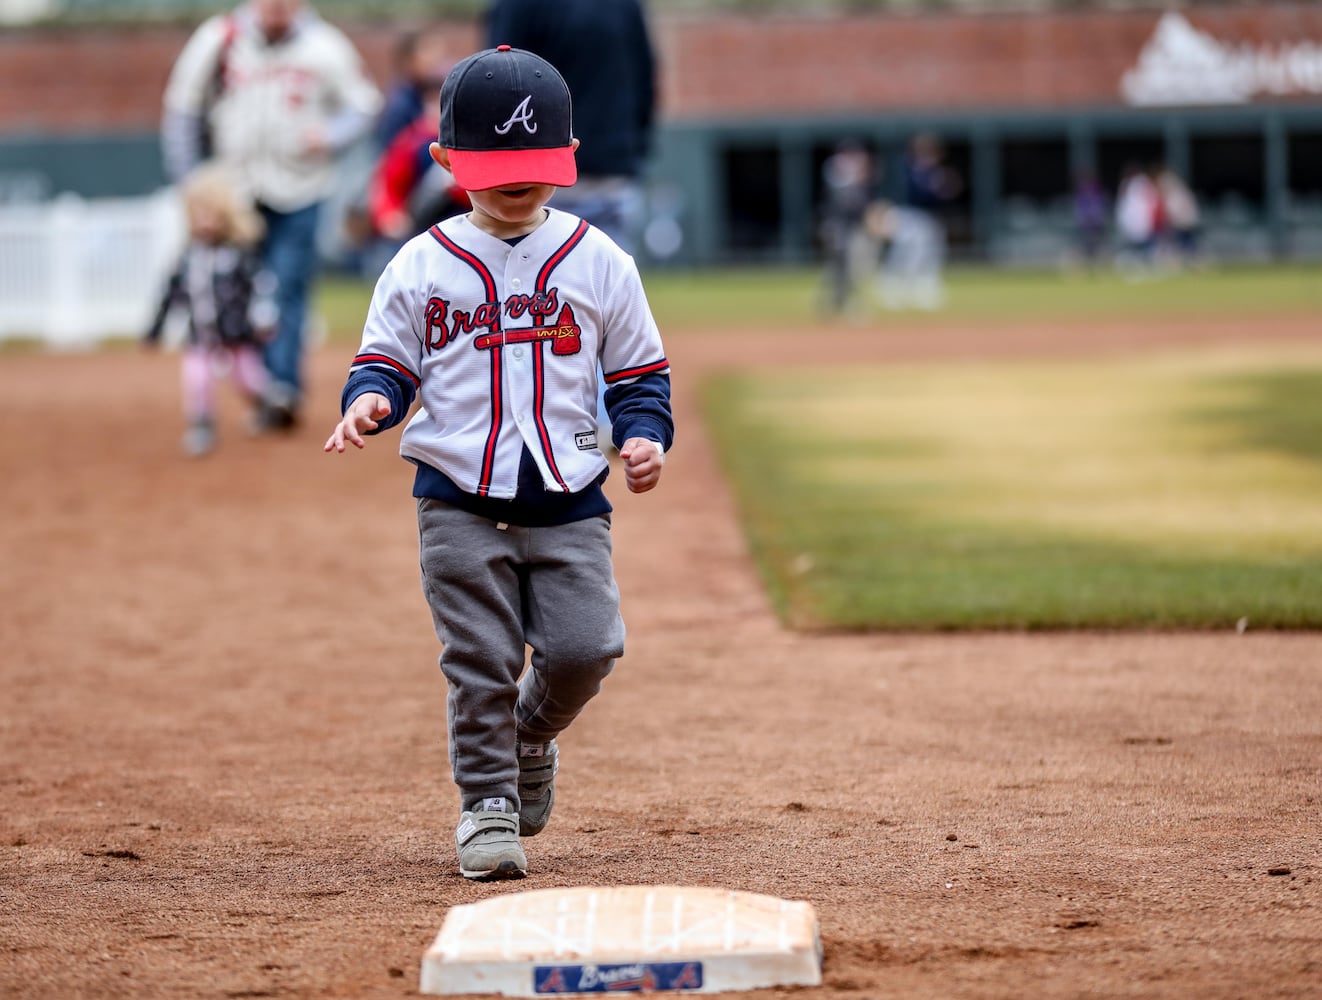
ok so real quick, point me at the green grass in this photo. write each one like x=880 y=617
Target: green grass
x=793 y=296
x=708 y=301
x=1169 y=492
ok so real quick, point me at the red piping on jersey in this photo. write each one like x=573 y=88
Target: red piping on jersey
x=538 y=365
x=627 y=373
x=539 y=395
x=544 y=275
x=381 y=359
x=468 y=259
x=489 y=451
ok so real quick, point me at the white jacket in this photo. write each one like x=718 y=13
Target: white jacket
x=272 y=97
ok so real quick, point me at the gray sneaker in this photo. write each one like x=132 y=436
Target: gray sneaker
x=200 y=438
x=538 y=764
x=487 y=841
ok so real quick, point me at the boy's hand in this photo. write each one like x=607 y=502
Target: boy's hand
x=642 y=464
x=362 y=415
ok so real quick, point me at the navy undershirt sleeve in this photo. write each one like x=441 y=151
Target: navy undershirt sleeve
x=641 y=408
x=396 y=388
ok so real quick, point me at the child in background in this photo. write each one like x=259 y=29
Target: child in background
x=497 y=321
x=228 y=297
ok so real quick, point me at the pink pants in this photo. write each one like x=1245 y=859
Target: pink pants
x=203 y=365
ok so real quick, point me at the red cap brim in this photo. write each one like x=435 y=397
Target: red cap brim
x=481 y=169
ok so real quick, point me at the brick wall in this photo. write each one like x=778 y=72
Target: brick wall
x=111 y=79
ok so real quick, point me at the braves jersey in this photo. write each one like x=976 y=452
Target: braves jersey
x=502 y=344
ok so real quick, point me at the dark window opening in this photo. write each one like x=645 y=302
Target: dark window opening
x=752 y=199
x=1305 y=151
x=1227 y=171
x=1036 y=171
x=959 y=213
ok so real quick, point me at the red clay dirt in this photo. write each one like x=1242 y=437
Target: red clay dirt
x=223 y=757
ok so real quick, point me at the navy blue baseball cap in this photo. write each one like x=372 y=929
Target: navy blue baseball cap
x=506 y=118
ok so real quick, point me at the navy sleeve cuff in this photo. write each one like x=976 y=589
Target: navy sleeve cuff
x=641 y=409
x=399 y=391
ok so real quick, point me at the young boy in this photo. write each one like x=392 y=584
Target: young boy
x=498 y=321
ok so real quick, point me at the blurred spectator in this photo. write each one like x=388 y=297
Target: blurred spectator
x=604 y=51
x=911 y=273
x=407 y=191
x=848 y=184
x=276 y=93
x=1180 y=209
x=1091 y=214
x=419 y=70
x=1138 y=216
x=228 y=299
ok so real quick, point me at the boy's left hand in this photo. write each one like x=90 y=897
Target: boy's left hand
x=642 y=460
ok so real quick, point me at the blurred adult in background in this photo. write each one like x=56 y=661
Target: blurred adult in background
x=407 y=191
x=848 y=192
x=604 y=51
x=1091 y=214
x=1180 y=209
x=912 y=272
x=1138 y=217
x=419 y=67
x=275 y=93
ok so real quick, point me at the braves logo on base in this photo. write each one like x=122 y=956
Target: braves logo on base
x=639 y=977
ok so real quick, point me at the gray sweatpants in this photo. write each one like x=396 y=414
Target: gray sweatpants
x=493 y=591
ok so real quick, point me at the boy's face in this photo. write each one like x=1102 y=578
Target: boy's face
x=508 y=210
x=514 y=205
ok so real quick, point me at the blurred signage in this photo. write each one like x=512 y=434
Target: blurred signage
x=1182 y=65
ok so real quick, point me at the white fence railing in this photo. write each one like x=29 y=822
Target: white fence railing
x=75 y=271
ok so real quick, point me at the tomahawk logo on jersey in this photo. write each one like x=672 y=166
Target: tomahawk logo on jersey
x=504 y=342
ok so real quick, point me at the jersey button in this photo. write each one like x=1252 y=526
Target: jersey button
x=517 y=283
x=518 y=352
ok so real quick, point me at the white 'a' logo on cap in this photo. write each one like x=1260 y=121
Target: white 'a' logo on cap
x=523 y=116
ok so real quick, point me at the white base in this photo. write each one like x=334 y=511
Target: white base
x=624 y=939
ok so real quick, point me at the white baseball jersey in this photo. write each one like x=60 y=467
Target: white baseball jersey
x=503 y=343
x=271 y=97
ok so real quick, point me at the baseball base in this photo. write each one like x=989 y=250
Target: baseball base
x=624 y=939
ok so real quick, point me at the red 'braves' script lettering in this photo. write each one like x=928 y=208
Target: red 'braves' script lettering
x=486 y=315
x=444 y=324
x=539 y=305
x=437 y=335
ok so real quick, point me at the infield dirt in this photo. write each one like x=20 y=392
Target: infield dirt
x=223 y=748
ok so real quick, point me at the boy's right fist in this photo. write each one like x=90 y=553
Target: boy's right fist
x=363 y=414
x=643 y=460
